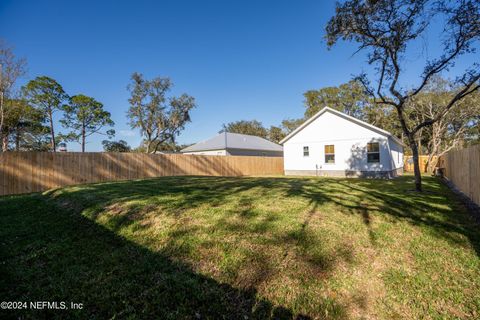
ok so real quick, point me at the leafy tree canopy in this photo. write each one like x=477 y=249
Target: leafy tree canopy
x=250 y=127
x=85 y=116
x=48 y=96
x=276 y=134
x=116 y=146
x=23 y=127
x=159 y=118
x=350 y=98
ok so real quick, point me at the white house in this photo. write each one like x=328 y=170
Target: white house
x=332 y=143
x=234 y=144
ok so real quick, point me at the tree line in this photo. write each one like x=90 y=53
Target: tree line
x=27 y=115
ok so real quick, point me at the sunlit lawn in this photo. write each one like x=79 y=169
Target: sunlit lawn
x=206 y=247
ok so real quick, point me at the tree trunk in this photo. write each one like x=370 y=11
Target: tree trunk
x=434 y=150
x=416 y=165
x=83 y=139
x=54 y=145
x=5 y=143
x=413 y=145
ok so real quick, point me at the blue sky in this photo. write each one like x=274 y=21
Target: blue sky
x=239 y=59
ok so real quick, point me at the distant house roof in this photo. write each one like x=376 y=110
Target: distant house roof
x=228 y=140
x=345 y=116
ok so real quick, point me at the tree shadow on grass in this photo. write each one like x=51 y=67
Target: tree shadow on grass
x=447 y=221
x=174 y=195
x=77 y=259
x=63 y=256
x=436 y=209
x=358 y=196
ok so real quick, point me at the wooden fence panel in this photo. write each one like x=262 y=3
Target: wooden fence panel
x=422 y=160
x=462 y=168
x=24 y=172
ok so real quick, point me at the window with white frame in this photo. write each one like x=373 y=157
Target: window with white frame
x=306 y=151
x=373 y=152
x=330 y=153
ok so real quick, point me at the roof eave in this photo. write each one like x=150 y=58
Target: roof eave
x=341 y=114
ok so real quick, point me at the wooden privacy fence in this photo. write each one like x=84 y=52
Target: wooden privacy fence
x=422 y=160
x=24 y=172
x=462 y=168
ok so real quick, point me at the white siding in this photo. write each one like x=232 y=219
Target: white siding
x=238 y=152
x=350 y=140
x=396 y=151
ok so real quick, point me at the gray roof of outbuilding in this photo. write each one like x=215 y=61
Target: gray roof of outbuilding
x=234 y=141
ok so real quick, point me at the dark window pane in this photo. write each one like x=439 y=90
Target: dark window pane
x=329 y=158
x=373 y=157
x=305 y=151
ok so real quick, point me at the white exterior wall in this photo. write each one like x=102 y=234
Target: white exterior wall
x=350 y=140
x=396 y=151
x=238 y=152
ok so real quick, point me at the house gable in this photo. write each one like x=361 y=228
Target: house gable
x=335 y=125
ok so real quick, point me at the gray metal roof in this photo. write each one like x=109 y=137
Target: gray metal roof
x=230 y=140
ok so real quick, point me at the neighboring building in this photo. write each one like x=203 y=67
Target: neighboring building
x=332 y=143
x=234 y=144
x=62 y=147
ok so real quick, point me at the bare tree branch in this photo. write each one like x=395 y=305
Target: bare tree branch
x=460 y=95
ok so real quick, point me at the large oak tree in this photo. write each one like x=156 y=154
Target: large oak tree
x=159 y=118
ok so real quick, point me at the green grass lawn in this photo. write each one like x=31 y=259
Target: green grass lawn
x=242 y=248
